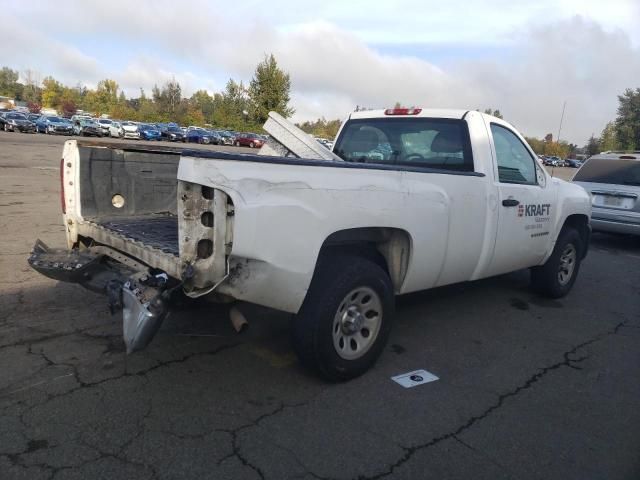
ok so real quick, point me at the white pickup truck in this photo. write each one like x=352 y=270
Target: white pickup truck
x=408 y=200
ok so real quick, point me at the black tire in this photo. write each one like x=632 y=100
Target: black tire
x=313 y=334
x=551 y=279
x=251 y=145
x=237 y=144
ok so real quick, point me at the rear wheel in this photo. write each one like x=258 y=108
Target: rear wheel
x=237 y=144
x=345 y=320
x=556 y=277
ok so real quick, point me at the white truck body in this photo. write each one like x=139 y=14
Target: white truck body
x=273 y=216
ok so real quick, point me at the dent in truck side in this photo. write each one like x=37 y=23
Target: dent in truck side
x=281 y=222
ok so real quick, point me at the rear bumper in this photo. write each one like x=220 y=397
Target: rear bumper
x=143 y=297
x=601 y=225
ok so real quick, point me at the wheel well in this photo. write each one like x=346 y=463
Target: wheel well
x=581 y=224
x=388 y=247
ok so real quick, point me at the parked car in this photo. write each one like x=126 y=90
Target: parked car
x=130 y=130
x=149 y=132
x=88 y=128
x=197 y=135
x=613 y=181
x=252 y=140
x=331 y=242
x=104 y=123
x=216 y=138
x=573 y=163
x=173 y=133
x=115 y=129
x=227 y=137
x=53 y=125
x=325 y=143
x=17 y=122
x=80 y=116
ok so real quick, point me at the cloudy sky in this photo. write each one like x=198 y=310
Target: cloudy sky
x=523 y=57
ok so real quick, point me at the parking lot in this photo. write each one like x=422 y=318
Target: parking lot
x=529 y=388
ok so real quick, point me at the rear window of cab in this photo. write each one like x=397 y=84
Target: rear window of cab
x=433 y=143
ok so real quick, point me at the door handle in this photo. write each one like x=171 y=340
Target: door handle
x=510 y=202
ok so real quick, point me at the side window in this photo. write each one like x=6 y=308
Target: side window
x=515 y=164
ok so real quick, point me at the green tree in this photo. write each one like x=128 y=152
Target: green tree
x=495 y=113
x=627 y=124
x=32 y=91
x=269 y=90
x=8 y=82
x=51 y=92
x=168 y=98
x=608 y=138
x=192 y=115
x=230 y=107
x=593 y=145
x=322 y=128
x=536 y=145
x=205 y=103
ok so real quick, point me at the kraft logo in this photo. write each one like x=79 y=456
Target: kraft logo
x=539 y=210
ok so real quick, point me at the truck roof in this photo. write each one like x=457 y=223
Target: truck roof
x=426 y=112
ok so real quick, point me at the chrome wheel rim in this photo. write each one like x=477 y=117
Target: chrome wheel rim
x=357 y=323
x=567 y=264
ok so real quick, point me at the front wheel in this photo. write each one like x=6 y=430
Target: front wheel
x=345 y=320
x=555 y=278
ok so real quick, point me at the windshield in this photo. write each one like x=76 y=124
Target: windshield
x=611 y=171
x=174 y=129
x=420 y=142
x=15 y=116
x=54 y=119
x=105 y=121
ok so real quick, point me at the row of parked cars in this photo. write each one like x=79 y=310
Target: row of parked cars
x=11 y=121
x=559 y=162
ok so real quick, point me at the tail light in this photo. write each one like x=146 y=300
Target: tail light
x=63 y=203
x=402 y=111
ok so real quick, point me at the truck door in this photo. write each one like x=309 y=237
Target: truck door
x=526 y=203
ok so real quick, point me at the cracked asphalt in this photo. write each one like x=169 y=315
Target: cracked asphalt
x=529 y=388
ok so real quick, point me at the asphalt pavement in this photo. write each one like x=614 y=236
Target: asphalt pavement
x=528 y=388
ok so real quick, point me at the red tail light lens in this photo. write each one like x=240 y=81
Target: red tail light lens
x=63 y=203
x=402 y=111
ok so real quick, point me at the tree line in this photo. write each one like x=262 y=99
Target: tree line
x=242 y=107
x=623 y=133
x=237 y=107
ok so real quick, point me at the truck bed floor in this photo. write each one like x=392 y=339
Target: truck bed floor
x=157 y=232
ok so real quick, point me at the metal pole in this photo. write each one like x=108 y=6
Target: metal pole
x=561 y=118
